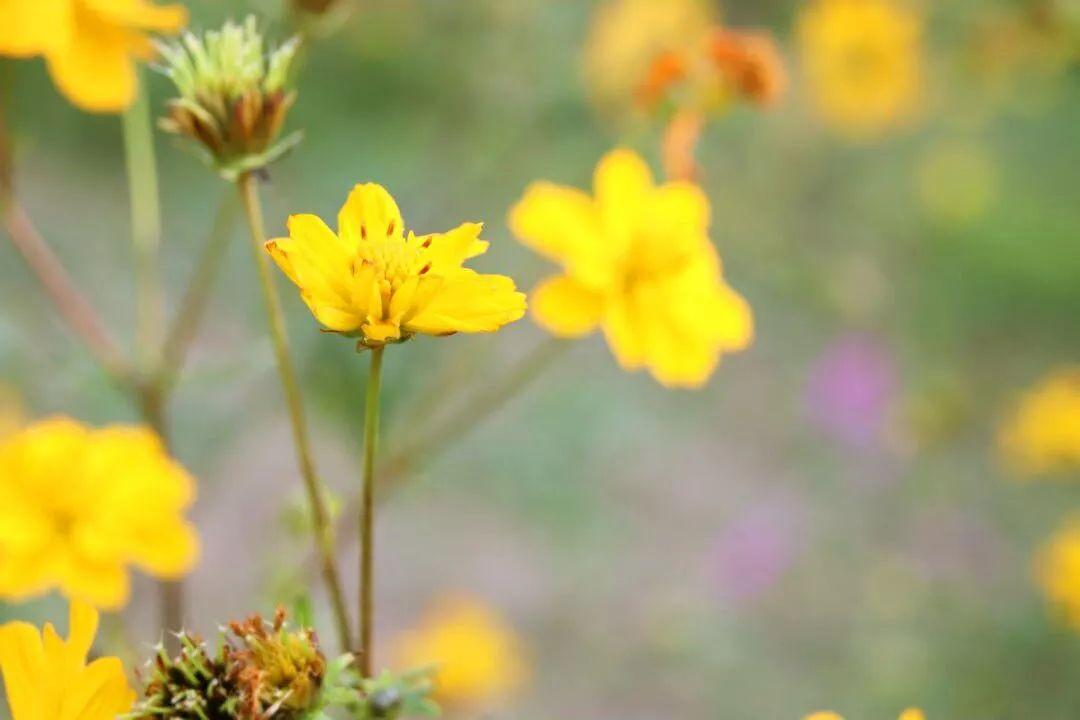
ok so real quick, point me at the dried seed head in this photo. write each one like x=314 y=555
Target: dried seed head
x=233 y=95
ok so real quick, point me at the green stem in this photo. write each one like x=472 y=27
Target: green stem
x=145 y=227
x=146 y=240
x=249 y=194
x=367 y=513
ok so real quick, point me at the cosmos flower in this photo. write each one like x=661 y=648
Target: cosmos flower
x=1057 y=570
x=862 y=60
x=638 y=264
x=851 y=390
x=1043 y=433
x=478 y=656
x=372 y=281
x=91 y=46
x=47 y=677
x=81 y=505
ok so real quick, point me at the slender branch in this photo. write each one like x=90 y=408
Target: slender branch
x=193 y=305
x=324 y=545
x=73 y=307
x=367 y=514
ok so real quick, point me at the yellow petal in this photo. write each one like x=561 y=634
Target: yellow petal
x=22 y=660
x=622 y=328
x=622 y=183
x=333 y=316
x=167 y=550
x=382 y=331
x=101 y=692
x=468 y=302
x=674 y=226
x=281 y=258
x=565 y=307
x=82 y=627
x=141 y=14
x=912 y=714
x=34 y=27
x=823 y=716
x=369 y=213
x=447 y=251
x=104 y=584
x=95 y=70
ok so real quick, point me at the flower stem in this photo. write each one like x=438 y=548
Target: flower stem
x=249 y=195
x=367 y=513
x=141 y=163
x=145 y=227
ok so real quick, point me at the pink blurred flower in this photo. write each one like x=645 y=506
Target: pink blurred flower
x=756 y=547
x=851 y=389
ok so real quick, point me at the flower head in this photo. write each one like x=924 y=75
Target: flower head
x=862 y=61
x=47 y=677
x=1057 y=570
x=637 y=263
x=372 y=281
x=1043 y=434
x=477 y=656
x=81 y=505
x=259 y=671
x=91 y=46
x=234 y=96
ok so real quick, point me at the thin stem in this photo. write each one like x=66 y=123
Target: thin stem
x=324 y=545
x=142 y=178
x=193 y=306
x=73 y=307
x=145 y=227
x=367 y=513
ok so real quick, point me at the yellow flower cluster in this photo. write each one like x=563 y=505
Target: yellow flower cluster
x=91 y=46
x=1057 y=569
x=477 y=654
x=47 y=678
x=638 y=263
x=1043 y=434
x=862 y=62
x=372 y=281
x=81 y=504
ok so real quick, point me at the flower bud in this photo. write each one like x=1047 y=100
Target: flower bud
x=233 y=96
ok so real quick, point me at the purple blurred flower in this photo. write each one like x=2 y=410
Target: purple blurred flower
x=851 y=390
x=756 y=547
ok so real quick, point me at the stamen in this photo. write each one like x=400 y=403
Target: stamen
x=423 y=270
x=427 y=243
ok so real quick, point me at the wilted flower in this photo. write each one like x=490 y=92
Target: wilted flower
x=1057 y=570
x=47 y=677
x=638 y=264
x=260 y=671
x=80 y=505
x=862 y=60
x=372 y=281
x=627 y=37
x=1043 y=433
x=91 y=47
x=233 y=95
x=476 y=653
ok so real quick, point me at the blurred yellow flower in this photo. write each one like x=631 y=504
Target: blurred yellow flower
x=47 y=678
x=638 y=264
x=478 y=656
x=1057 y=570
x=1043 y=433
x=81 y=504
x=90 y=46
x=372 y=281
x=862 y=61
x=909 y=714
x=627 y=37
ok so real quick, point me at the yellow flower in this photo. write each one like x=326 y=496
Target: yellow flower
x=372 y=281
x=1043 y=434
x=477 y=655
x=628 y=36
x=909 y=714
x=47 y=677
x=81 y=504
x=862 y=61
x=1057 y=570
x=638 y=264
x=91 y=46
